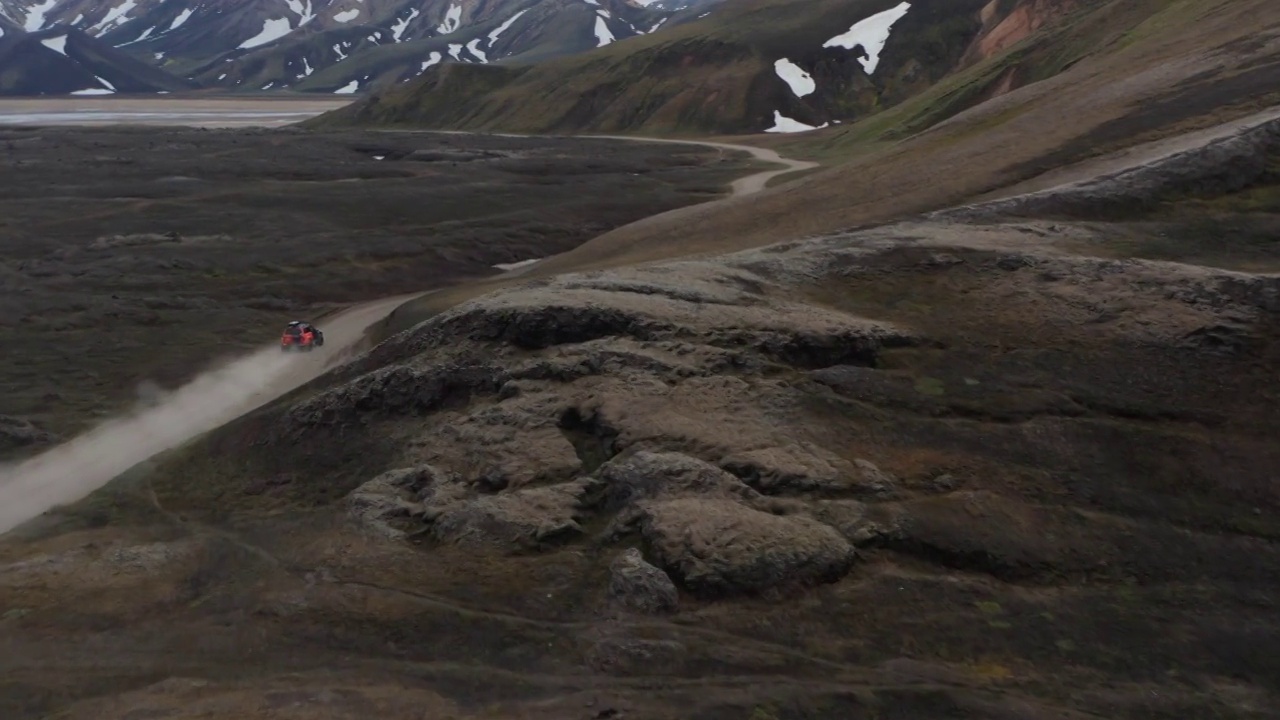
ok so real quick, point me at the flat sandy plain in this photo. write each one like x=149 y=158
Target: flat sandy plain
x=179 y=110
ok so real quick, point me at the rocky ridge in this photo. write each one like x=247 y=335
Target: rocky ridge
x=725 y=421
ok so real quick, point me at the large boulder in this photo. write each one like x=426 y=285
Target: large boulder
x=527 y=519
x=382 y=504
x=646 y=475
x=720 y=547
x=639 y=586
x=18 y=433
x=793 y=467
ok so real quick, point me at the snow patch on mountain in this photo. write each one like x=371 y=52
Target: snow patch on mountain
x=397 y=30
x=348 y=88
x=493 y=36
x=303 y=11
x=795 y=77
x=454 y=50
x=56 y=44
x=271 y=30
x=473 y=47
x=603 y=35
x=871 y=34
x=35 y=16
x=114 y=16
x=434 y=59
x=145 y=34
x=452 y=20
x=346 y=16
x=783 y=124
x=183 y=16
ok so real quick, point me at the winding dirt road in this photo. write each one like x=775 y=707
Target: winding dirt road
x=71 y=471
x=746 y=185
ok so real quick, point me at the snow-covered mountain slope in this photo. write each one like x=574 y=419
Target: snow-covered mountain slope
x=776 y=66
x=61 y=61
x=344 y=45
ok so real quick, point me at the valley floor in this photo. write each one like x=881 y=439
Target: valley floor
x=167 y=112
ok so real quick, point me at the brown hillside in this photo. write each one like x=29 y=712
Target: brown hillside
x=1194 y=64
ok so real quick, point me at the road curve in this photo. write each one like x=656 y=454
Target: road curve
x=72 y=470
x=747 y=185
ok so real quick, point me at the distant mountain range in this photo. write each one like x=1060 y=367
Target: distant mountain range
x=332 y=46
x=754 y=66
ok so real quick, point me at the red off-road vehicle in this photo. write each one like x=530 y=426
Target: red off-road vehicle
x=301 y=336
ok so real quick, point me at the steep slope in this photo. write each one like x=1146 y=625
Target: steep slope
x=1135 y=71
x=9 y=28
x=273 y=44
x=755 y=65
x=60 y=61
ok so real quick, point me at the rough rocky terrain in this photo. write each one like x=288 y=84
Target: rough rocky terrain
x=134 y=257
x=980 y=464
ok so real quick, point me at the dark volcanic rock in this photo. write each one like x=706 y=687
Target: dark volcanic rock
x=520 y=519
x=401 y=389
x=16 y=433
x=719 y=547
x=639 y=586
x=647 y=475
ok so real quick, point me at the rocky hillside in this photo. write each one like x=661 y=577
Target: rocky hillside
x=343 y=45
x=978 y=465
x=752 y=66
x=61 y=61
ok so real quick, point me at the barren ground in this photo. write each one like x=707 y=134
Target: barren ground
x=967 y=466
x=1008 y=461
x=119 y=241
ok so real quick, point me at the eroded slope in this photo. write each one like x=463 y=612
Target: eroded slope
x=931 y=469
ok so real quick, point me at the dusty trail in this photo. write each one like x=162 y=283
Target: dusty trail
x=746 y=185
x=72 y=470
x=76 y=468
